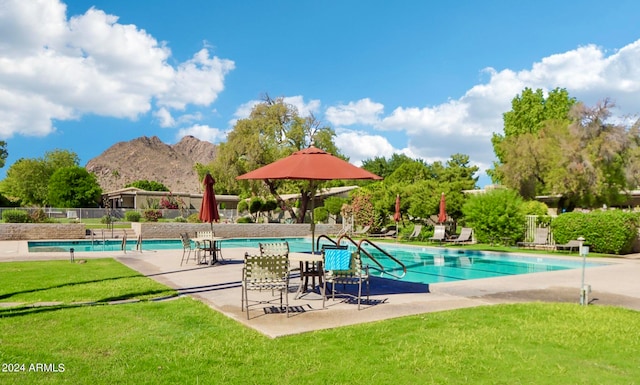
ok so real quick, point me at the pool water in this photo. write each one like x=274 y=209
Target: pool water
x=424 y=264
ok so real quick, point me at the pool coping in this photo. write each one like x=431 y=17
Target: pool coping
x=218 y=287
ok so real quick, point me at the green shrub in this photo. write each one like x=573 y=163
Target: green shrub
x=106 y=219
x=180 y=219
x=39 y=216
x=535 y=208
x=132 y=216
x=494 y=215
x=334 y=204
x=243 y=206
x=15 y=216
x=194 y=218
x=244 y=220
x=607 y=232
x=320 y=214
x=152 y=215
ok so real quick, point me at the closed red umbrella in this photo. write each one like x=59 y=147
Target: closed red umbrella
x=442 y=214
x=396 y=215
x=209 y=207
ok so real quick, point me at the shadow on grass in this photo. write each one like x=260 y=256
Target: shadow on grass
x=119 y=300
x=68 y=284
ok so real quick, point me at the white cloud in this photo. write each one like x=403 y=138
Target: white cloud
x=359 y=146
x=197 y=81
x=304 y=109
x=165 y=118
x=202 y=132
x=52 y=67
x=363 y=111
x=465 y=125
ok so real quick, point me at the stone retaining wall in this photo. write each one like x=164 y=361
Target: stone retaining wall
x=163 y=230
x=26 y=231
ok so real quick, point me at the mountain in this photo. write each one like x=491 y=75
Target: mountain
x=150 y=159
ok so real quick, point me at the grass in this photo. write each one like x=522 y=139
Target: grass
x=96 y=280
x=184 y=341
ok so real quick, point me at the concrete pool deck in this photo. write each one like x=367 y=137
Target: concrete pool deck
x=219 y=287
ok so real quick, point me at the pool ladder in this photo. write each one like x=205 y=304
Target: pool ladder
x=360 y=249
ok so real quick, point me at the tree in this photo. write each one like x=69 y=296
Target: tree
x=586 y=160
x=419 y=185
x=28 y=179
x=333 y=205
x=3 y=152
x=530 y=112
x=273 y=131
x=73 y=187
x=596 y=159
x=385 y=167
x=497 y=213
x=148 y=185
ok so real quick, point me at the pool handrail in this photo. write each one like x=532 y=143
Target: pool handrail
x=358 y=246
x=337 y=243
x=366 y=240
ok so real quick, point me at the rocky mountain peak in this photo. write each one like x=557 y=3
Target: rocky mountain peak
x=148 y=158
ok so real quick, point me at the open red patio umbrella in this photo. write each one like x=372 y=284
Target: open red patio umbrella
x=312 y=164
x=209 y=207
x=442 y=214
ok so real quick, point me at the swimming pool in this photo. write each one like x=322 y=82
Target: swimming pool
x=424 y=264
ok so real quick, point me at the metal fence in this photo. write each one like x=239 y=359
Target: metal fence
x=116 y=214
x=530 y=229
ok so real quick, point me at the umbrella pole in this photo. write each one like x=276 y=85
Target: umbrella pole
x=313 y=220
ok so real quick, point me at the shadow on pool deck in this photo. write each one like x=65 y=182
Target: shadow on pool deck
x=219 y=287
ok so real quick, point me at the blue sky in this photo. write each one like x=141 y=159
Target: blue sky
x=427 y=79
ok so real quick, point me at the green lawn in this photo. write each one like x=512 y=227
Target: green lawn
x=182 y=341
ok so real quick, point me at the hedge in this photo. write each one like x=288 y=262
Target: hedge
x=607 y=232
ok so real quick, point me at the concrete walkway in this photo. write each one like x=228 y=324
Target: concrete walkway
x=219 y=287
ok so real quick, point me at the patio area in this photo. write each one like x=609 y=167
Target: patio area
x=219 y=287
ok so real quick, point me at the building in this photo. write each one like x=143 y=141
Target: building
x=137 y=199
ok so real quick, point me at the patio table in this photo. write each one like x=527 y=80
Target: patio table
x=212 y=245
x=310 y=267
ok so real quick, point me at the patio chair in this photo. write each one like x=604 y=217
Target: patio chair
x=541 y=238
x=572 y=244
x=384 y=234
x=274 y=248
x=186 y=248
x=416 y=234
x=265 y=273
x=343 y=267
x=362 y=231
x=465 y=236
x=439 y=234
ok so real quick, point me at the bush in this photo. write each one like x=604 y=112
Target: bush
x=494 y=215
x=320 y=214
x=607 y=232
x=39 y=216
x=15 y=216
x=152 y=215
x=243 y=206
x=535 y=208
x=106 y=219
x=180 y=219
x=194 y=218
x=244 y=220
x=132 y=216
